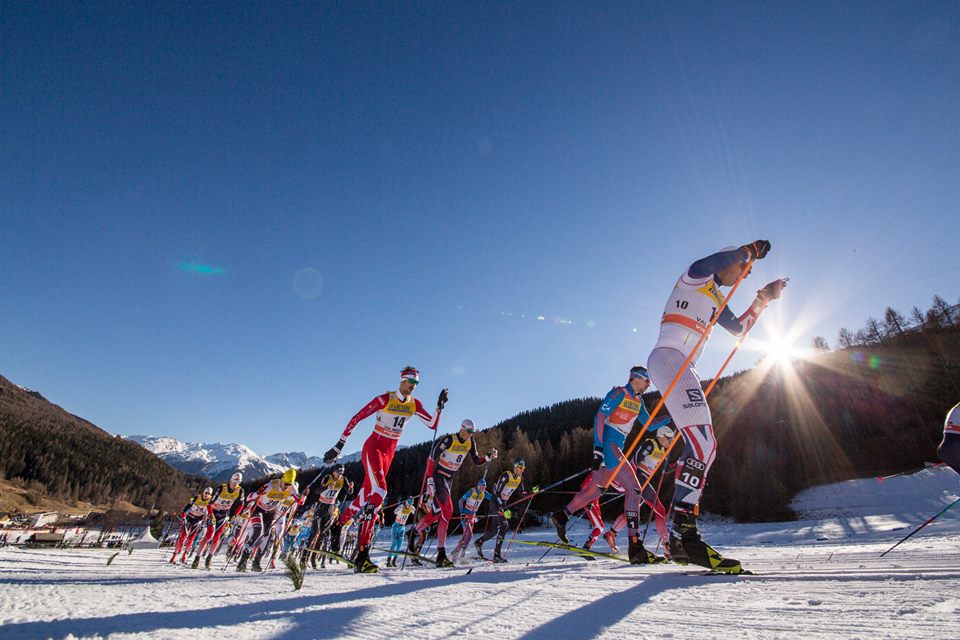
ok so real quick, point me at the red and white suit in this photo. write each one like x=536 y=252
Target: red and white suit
x=392 y=411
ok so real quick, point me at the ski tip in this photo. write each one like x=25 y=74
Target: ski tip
x=469 y=571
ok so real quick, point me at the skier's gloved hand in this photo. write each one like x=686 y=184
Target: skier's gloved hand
x=597 y=458
x=492 y=455
x=772 y=290
x=536 y=489
x=442 y=399
x=757 y=249
x=334 y=452
x=507 y=513
x=431 y=487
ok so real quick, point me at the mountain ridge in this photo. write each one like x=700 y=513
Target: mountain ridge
x=218 y=460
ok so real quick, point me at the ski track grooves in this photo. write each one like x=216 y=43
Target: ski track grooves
x=798 y=593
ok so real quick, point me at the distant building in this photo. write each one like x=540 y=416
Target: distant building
x=39 y=520
x=46 y=538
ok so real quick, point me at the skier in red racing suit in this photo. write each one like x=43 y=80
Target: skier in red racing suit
x=392 y=409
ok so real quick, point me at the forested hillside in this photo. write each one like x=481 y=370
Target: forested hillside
x=57 y=454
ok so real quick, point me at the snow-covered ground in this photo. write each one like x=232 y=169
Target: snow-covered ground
x=820 y=577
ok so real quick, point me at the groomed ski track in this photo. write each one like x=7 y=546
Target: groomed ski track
x=829 y=591
x=816 y=579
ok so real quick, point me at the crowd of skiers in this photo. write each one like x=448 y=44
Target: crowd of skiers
x=338 y=528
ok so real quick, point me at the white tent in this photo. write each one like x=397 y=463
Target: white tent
x=146 y=541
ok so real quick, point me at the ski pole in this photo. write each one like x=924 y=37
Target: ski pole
x=906 y=537
x=433 y=442
x=928 y=465
x=519 y=524
x=655 y=497
x=683 y=368
x=549 y=486
x=576 y=522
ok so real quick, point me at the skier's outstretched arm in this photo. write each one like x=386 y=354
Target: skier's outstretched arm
x=371 y=408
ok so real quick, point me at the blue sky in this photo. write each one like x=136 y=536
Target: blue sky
x=228 y=222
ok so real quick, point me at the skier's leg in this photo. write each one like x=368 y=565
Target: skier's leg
x=446 y=511
x=659 y=512
x=584 y=497
x=593 y=515
x=181 y=538
x=688 y=408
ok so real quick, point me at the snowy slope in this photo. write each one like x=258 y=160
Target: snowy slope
x=820 y=577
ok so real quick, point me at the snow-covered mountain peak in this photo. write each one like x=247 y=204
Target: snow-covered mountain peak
x=218 y=460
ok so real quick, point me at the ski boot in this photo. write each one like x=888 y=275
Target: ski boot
x=196 y=562
x=415 y=543
x=638 y=554
x=255 y=566
x=686 y=547
x=442 y=559
x=611 y=538
x=586 y=547
x=559 y=520
x=478 y=545
x=206 y=563
x=335 y=529
x=242 y=563
x=363 y=564
x=496 y=554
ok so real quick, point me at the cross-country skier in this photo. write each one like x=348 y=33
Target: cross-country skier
x=447 y=457
x=286 y=515
x=330 y=487
x=949 y=448
x=509 y=483
x=649 y=453
x=392 y=409
x=227 y=503
x=297 y=534
x=692 y=305
x=469 y=505
x=193 y=516
x=620 y=409
x=267 y=504
x=399 y=530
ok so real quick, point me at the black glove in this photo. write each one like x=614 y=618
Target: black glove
x=597 y=458
x=442 y=400
x=334 y=452
x=758 y=249
x=772 y=291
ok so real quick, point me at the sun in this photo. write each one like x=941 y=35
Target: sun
x=781 y=351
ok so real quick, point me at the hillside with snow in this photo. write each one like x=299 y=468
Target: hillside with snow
x=218 y=461
x=819 y=577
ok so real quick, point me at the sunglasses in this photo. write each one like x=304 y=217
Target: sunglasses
x=410 y=381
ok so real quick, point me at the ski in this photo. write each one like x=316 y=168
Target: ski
x=707 y=572
x=423 y=559
x=587 y=553
x=335 y=556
